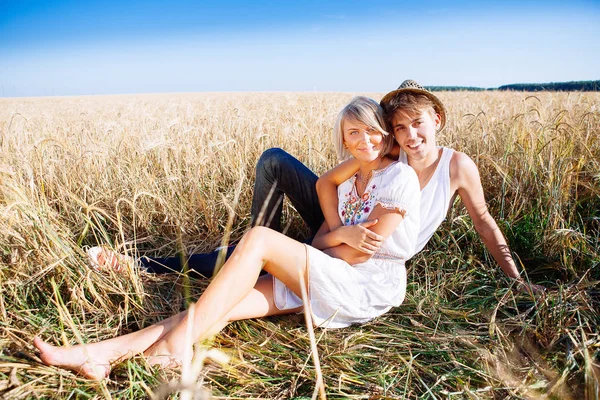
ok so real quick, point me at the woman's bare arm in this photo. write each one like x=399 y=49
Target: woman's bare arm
x=386 y=222
x=327 y=190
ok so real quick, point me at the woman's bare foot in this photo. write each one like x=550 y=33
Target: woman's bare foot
x=165 y=356
x=76 y=359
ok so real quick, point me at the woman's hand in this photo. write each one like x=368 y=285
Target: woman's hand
x=360 y=237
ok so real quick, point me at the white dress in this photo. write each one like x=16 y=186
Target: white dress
x=341 y=294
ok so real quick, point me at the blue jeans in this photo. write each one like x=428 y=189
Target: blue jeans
x=278 y=174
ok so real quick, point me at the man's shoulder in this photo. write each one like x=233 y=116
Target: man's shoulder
x=462 y=167
x=460 y=161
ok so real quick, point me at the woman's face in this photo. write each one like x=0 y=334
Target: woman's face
x=362 y=141
x=416 y=133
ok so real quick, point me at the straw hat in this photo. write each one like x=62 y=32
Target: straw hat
x=410 y=86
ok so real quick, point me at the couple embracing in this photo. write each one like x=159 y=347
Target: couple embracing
x=377 y=209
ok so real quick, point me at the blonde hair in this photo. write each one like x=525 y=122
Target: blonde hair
x=368 y=112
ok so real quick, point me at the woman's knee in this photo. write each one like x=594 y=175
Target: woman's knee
x=256 y=239
x=259 y=234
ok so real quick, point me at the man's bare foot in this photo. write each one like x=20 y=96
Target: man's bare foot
x=109 y=259
x=75 y=358
x=101 y=258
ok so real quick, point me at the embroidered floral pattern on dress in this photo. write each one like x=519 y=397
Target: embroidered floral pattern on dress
x=355 y=209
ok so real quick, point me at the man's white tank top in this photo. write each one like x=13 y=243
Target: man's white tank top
x=435 y=198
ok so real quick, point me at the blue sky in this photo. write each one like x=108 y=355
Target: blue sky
x=94 y=47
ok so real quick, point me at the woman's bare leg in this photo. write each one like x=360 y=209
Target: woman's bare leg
x=257 y=304
x=230 y=295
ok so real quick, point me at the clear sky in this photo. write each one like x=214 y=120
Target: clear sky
x=103 y=47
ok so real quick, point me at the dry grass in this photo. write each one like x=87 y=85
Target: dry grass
x=156 y=173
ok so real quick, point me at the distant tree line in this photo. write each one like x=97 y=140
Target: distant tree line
x=579 y=86
x=454 y=88
x=574 y=86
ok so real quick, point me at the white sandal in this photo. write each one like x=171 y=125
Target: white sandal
x=117 y=261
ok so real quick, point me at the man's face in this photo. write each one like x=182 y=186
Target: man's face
x=416 y=133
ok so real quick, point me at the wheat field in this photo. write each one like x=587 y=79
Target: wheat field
x=168 y=173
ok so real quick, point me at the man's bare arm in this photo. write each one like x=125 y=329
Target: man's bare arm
x=470 y=190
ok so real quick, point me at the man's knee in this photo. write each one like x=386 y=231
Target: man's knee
x=271 y=161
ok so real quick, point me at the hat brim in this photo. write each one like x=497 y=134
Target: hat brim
x=438 y=105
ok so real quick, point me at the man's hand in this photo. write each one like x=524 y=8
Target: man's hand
x=360 y=237
x=531 y=288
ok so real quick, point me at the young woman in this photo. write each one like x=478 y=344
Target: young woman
x=345 y=285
